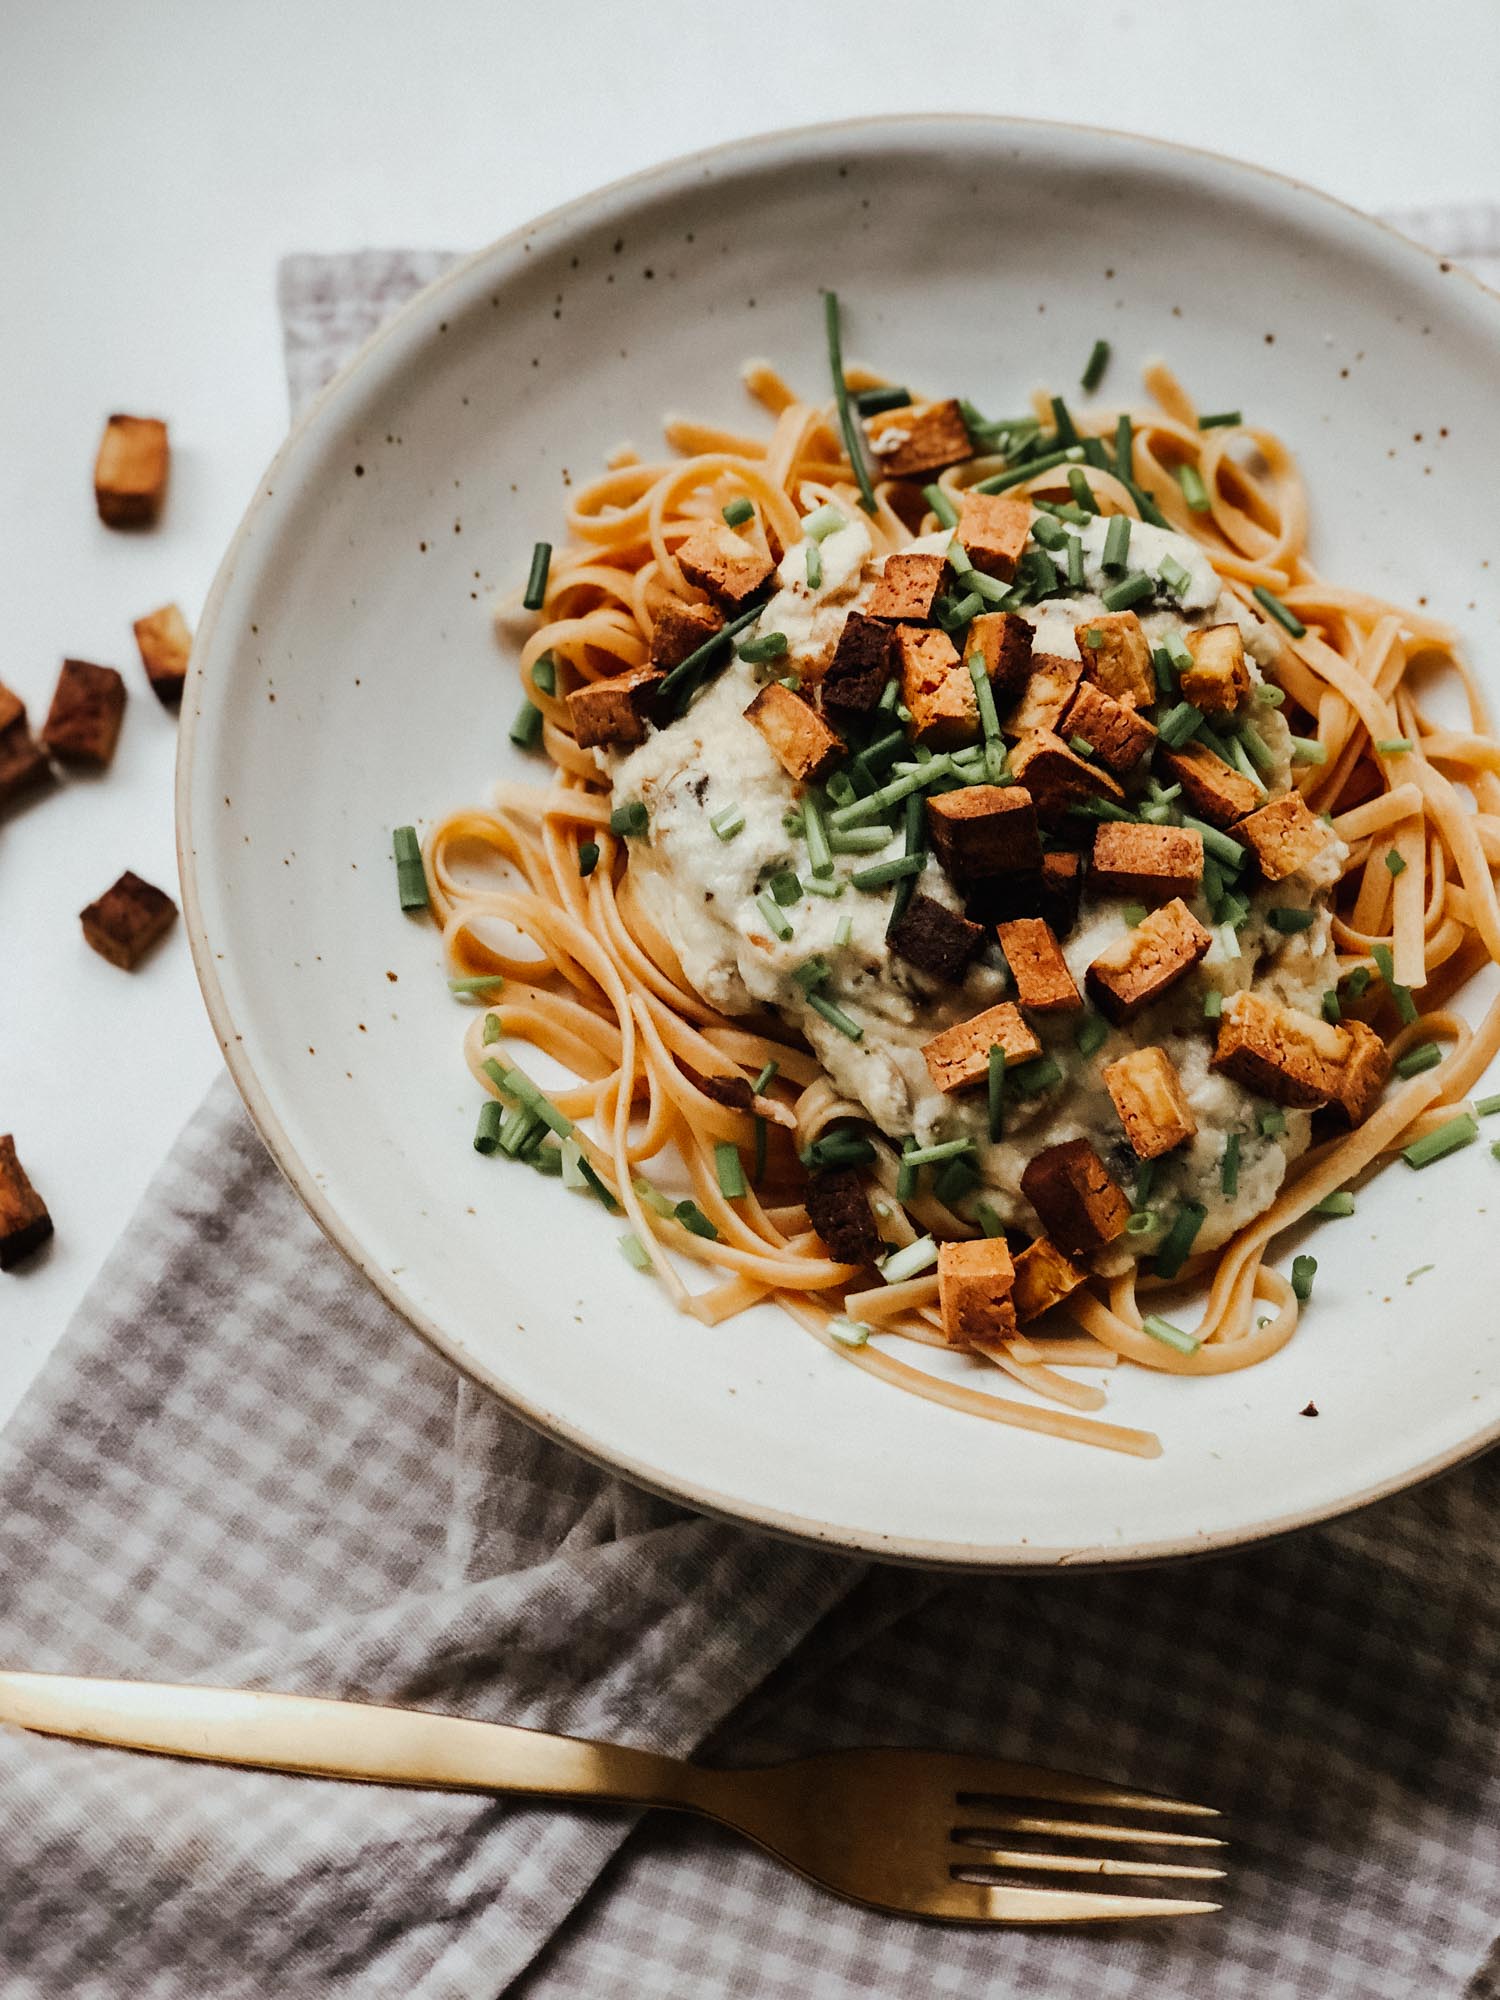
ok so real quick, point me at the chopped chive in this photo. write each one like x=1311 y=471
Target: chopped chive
x=955 y=1183
x=1190 y=479
x=1169 y=1335
x=859 y=839
x=1063 y=510
x=1174 y=575
x=1073 y=556
x=822 y=522
x=1080 y=746
x=1133 y=913
x=812 y=566
x=630 y=818
x=1178 y=1242
x=483 y=982
x=1221 y=420
x=835 y=1017
x=1117 y=541
x=654 y=1199
x=597 y=1188
x=843 y=930
x=906 y=1174
x=1423 y=1055
x=1141 y=1222
x=1229 y=1167
x=738 y=512
x=536 y=582
x=820 y=854
x=1239 y=758
x=1272 y=1124
x=489 y=1031
x=1124 y=446
x=1394 y=862
x=487 y=1131
x=785 y=887
x=1047 y=533
x=519 y=1129
x=996 y=1105
x=984 y=696
x=1100 y=809
x=988 y=1220
x=910 y=1262
x=520 y=1086
x=411 y=876
x=727 y=822
x=526 y=730
x=588 y=858
x=1093 y=373
x=1213 y=1004
x=1216 y=842
x=1048 y=461
x=633 y=1250
x=1062 y=418
x=682 y=683
x=1131 y=589
x=775 y=919
x=544 y=674
x=878 y=802
x=1486 y=1107
x=1090 y=1035
x=1290 y=921
x=849 y=1332
x=1268 y=695
x=548 y=1161
x=839 y=1148
x=852 y=443
x=881 y=872
x=1332 y=1009
x=812 y=972
x=1304 y=1270
x=1082 y=492
x=764 y=1081
x=1340 y=1202
x=1395 y=746
x=1165 y=672
x=1405 y=1006
x=945 y=1149
x=1355 y=982
x=1287 y=619
x=1034 y=1077
x=1260 y=752
x=964 y=610
x=769 y=646
x=1460 y=1131
x=691 y=1216
x=941 y=505
x=1307 y=750
x=870 y=402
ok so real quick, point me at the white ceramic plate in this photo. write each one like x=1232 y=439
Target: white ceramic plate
x=346 y=679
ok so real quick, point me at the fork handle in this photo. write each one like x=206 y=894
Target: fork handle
x=343 y=1739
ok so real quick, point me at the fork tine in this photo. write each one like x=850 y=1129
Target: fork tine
x=1008 y=1782
x=1086 y=1864
x=977 y=1903
x=1077 y=1829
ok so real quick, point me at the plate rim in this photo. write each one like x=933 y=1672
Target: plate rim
x=990 y=1558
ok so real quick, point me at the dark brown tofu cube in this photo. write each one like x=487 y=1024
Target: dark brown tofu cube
x=23 y=764
x=861 y=668
x=974 y=1291
x=1147 y=962
x=1002 y=639
x=1214 y=790
x=25 y=1224
x=960 y=1056
x=838 y=1204
x=88 y=706
x=908 y=587
x=1149 y=864
x=1148 y=1095
x=1080 y=1206
x=1285 y=836
x=984 y=831
x=917 y=439
x=1364 y=1075
x=806 y=748
x=1045 y=696
x=680 y=627
x=127 y=920
x=937 y=687
x=130 y=472
x=165 y=645
x=724 y=564
x=993 y=528
x=1044 y=1278
x=613 y=712
x=1116 y=657
x=1282 y=1053
x=1218 y=679
x=1056 y=778
x=1044 y=984
x=935 y=939
x=1117 y=736
x=1062 y=887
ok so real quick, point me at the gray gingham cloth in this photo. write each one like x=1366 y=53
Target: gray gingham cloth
x=239 y=1467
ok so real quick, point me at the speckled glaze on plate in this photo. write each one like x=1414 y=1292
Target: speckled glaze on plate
x=345 y=679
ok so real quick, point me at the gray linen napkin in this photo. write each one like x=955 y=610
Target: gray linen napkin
x=240 y=1467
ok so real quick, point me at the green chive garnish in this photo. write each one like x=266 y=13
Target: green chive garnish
x=1287 y=619
x=769 y=646
x=955 y=1183
x=1169 y=1335
x=785 y=887
x=1067 y=430
x=849 y=1332
x=526 y=730
x=1486 y=1107
x=1229 y=1167
x=819 y=853
x=996 y=1091
x=775 y=919
x=489 y=1030
x=1289 y=921
x=906 y=1175
x=988 y=1220
x=812 y=972
x=1304 y=1270
x=1218 y=843
x=1093 y=373
x=483 y=982
x=1190 y=479
x=1221 y=420
x=1422 y=1055
x=738 y=512
x=1117 y=542
x=1260 y=753
x=1141 y=1222
x=691 y=1216
x=1080 y=746
x=945 y=1149
x=487 y=1131
x=588 y=858
x=1395 y=746
x=544 y=674
x=1178 y=1242
x=536 y=582
x=870 y=402
x=1213 y=1004
x=882 y=872
x=727 y=822
x=1001 y=481
x=941 y=505
x=835 y=1016
x=682 y=683
x=1394 y=862
x=1308 y=750
x=1272 y=1124
x=630 y=818
x=1174 y=575
x=812 y=566
x=839 y=1148
x=1460 y=1131
x=1406 y=1007
x=1132 y=589
x=633 y=1250
x=1083 y=493
x=880 y=801
x=910 y=1262
x=1340 y=1202
x=1332 y=1008
x=1034 y=1077
x=847 y=425
x=858 y=839
x=411 y=877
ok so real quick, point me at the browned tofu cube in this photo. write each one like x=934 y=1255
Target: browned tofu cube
x=724 y=564
x=1148 y=864
x=1218 y=679
x=838 y=1204
x=613 y=712
x=804 y=744
x=1116 y=657
x=88 y=706
x=974 y=1286
x=1002 y=639
x=1062 y=886
x=12 y=708
x=127 y=920
x=165 y=645
x=1056 y=779
x=680 y=627
x=1285 y=835
x=960 y=1055
x=1044 y=1277
x=1147 y=962
x=1366 y=1071
x=1280 y=1052
x=1080 y=1206
x=935 y=939
x=1116 y=735
x=25 y=1224
x=918 y=438
x=23 y=763
x=1148 y=1095
x=984 y=831
x=1212 y=789
x=908 y=587
x=1044 y=699
x=130 y=473
x=937 y=688
x=862 y=665
x=1044 y=984
x=993 y=528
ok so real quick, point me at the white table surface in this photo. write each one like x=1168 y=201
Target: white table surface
x=157 y=159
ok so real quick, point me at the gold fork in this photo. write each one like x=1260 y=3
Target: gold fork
x=923 y=1833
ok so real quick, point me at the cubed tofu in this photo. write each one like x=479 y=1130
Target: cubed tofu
x=805 y=746
x=12 y=708
x=993 y=527
x=861 y=668
x=838 y=1205
x=1148 y=1094
x=1364 y=1075
x=23 y=762
x=1044 y=984
x=127 y=920
x=1081 y=1207
x=1279 y=1052
x=937 y=688
x=1147 y=864
x=918 y=438
x=974 y=1291
x=1285 y=835
x=1218 y=679
x=612 y=712
x=1062 y=887
x=908 y=587
x=724 y=564
x=960 y=1055
x=1044 y=1278
x=130 y=472
x=88 y=706
x=25 y=1224
x=984 y=831
x=1002 y=639
x=935 y=939
x=680 y=626
x=1147 y=962
x=1212 y=789
x=1116 y=657
x=165 y=645
x=1056 y=778
x=1117 y=736
x=1044 y=699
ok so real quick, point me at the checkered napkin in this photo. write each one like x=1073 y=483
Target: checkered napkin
x=241 y=1468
